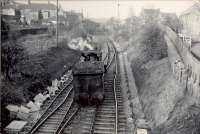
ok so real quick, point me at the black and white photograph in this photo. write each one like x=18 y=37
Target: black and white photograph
x=100 y=66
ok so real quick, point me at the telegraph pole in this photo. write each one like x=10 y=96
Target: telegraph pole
x=57 y=23
x=118 y=15
x=82 y=14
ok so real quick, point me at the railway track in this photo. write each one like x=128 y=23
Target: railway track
x=63 y=116
x=57 y=111
x=110 y=117
x=53 y=117
x=107 y=118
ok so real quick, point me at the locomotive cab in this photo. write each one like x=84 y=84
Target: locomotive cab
x=92 y=55
x=88 y=78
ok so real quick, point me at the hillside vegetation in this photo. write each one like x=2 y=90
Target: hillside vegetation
x=31 y=62
x=167 y=107
x=164 y=100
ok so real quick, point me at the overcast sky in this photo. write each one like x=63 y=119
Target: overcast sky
x=107 y=9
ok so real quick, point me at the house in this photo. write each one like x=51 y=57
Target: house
x=35 y=11
x=73 y=18
x=29 y=11
x=8 y=7
x=190 y=20
x=150 y=15
x=4 y=3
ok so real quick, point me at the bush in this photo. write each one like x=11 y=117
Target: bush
x=11 y=94
x=12 y=54
x=153 y=40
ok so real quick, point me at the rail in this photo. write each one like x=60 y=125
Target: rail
x=64 y=123
x=63 y=120
x=114 y=59
x=114 y=88
x=43 y=118
x=69 y=82
x=107 y=55
x=111 y=58
x=91 y=130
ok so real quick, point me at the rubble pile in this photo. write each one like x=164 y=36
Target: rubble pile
x=30 y=111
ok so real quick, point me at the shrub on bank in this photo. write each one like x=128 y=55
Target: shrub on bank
x=31 y=74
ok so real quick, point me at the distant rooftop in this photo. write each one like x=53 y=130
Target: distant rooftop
x=38 y=6
x=33 y=6
x=146 y=10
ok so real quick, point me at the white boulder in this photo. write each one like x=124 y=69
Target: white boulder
x=38 y=105
x=51 y=90
x=33 y=107
x=142 y=131
x=15 y=126
x=23 y=116
x=39 y=98
x=55 y=83
x=23 y=109
x=46 y=96
x=12 y=108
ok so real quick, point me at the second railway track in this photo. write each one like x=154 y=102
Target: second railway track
x=57 y=112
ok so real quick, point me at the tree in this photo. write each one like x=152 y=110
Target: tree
x=73 y=20
x=132 y=24
x=12 y=54
x=90 y=26
x=153 y=40
x=172 y=21
x=4 y=29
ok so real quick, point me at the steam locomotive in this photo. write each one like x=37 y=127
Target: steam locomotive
x=88 y=79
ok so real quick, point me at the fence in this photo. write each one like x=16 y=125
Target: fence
x=185 y=66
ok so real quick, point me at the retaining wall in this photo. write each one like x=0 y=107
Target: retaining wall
x=185 y=66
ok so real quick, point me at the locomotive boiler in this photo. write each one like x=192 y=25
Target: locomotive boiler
x=88 y=79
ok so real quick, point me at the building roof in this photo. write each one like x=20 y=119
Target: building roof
x=33 y=6
x=38 y=6
x=11 y=5
x=150 y=11
x=53 y=18
x=192 y=9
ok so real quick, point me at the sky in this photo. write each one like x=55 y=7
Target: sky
x=106 y=9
